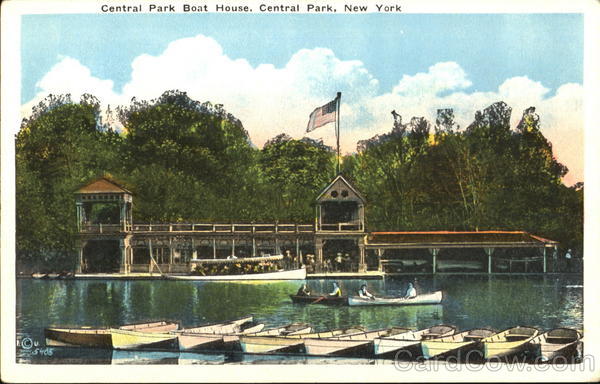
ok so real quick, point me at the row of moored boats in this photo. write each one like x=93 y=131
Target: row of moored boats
x=247 y=336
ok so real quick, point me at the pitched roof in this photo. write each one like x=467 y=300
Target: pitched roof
x=346 y=182
x=103 y=185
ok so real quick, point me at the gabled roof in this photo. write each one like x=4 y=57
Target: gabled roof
x=103 y=185
x=344 y=181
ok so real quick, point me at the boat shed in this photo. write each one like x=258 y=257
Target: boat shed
x=467 y=242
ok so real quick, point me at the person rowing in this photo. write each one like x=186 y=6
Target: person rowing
x=411 y=292
x=337 y=292
x=363 y=293
x=303 y=291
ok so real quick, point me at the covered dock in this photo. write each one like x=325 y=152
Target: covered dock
x=462 y=251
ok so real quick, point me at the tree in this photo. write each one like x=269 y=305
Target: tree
x=196 y=153
x=293 y=173
x=58 y=148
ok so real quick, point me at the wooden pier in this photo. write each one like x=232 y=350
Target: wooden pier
x=336 y=244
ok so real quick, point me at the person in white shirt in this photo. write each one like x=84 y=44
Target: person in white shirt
x=410 y=291
x=568 y=258
x=362 y=292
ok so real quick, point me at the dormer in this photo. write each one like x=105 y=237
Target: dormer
x=340 y=208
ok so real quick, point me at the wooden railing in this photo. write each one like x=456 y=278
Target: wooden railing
x=200 y=228
x=104 y=228
x=220 y=228
x=341 y=227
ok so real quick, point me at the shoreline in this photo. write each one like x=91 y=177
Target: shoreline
x=314 y=276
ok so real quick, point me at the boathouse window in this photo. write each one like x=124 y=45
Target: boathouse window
x=334 y=193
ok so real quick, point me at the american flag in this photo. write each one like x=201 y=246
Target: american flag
x=322 y=115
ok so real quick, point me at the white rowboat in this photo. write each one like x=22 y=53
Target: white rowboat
x=294 y=274
x=409 y=343
x=428 y=298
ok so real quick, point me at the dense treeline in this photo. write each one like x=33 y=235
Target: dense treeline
x=189 y=161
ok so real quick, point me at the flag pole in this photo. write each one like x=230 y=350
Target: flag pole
x=337 y=129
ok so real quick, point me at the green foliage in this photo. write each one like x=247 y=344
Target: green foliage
x=187 y=161
x=60 y=147
x=293 y=172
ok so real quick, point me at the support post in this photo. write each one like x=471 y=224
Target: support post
x=81 y=247
x=489 y=252
x=379 y=263
x=171 y=253
x=214 y=247
x=298 y=250
x=319 y=255
x=232 y=247
x=79 y=217
x=253 y=246
x=434 y=252
x=362 y=266
x=545 y=260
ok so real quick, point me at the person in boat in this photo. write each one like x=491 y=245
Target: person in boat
x=337 y=292
x=568 y=259
x=363 y=293
x=303 y=291
x=410 y=292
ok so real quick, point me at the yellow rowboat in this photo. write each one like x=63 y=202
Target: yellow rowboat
x=510 y=342
x=408 y=344
x=465 y=345
x=358 y=344
x=290 y=343
x=98 y=337
x=124 y=339
x=560 y=344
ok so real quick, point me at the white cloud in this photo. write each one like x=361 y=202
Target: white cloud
x=441 y=77
x=270 y=100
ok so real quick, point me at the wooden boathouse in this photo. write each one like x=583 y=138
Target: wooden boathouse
x=338 y=241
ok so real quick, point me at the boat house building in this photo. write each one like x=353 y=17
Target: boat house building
x=338 y=242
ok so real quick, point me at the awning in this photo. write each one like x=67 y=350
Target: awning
x=239 y=260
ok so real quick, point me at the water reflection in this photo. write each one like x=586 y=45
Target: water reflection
x=497 y=302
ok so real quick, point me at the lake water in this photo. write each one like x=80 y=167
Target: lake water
x=496 y=302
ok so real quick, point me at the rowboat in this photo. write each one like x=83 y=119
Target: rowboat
x=324 y=299
x=217 y=335
x=428 y=298
x=408 y=344
x=229 y=326
x=465 y=345
x=292 y=274
x=286 y=330
x=124 y=339
x=559 y=342
x=358 y=344
x=510 y=342
x=290 y=343
x=99 y=337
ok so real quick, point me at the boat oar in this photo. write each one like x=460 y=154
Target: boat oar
x=319 y=299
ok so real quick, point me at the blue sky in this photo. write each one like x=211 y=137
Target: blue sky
x=271 y=70
x=491 y=48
